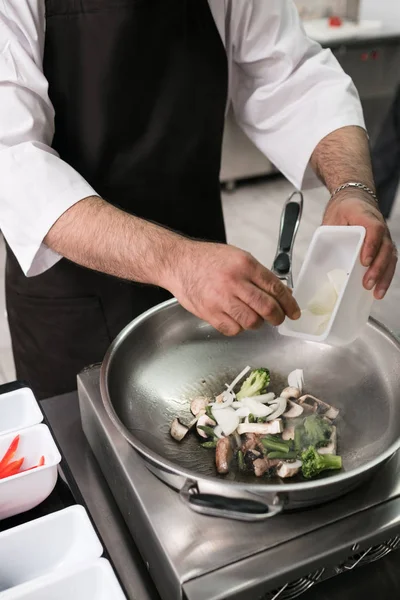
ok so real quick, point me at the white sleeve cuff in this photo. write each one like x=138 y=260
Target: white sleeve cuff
x=37 y=187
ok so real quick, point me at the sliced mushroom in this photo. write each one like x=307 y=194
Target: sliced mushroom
x=201 y=422
x=262 y=465
x=271 y=427
x=331 y=448
x=308 y=404
x=251 y=442
x=312 y=404
x=199 y=405
x=288 y=433
x=223 y=455
x=291 y=392
x=178 y=431
x=295 y=410
x=288 y=469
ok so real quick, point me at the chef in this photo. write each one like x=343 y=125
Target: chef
x=111 y=121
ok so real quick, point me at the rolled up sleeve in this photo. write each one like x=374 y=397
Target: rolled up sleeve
x=287 y=92
x=36 y=186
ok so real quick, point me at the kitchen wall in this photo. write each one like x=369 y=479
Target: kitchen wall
x=314 y=9
x=387 y=11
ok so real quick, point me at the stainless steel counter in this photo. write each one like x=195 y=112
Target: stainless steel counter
x=81 y=468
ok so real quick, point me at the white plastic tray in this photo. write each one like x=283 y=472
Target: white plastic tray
x=18 y=410
x=96 y=581
x=24 y=491
x=61 y=540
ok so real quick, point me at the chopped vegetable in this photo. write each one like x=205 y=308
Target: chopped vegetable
x=291 y=392
x=314 y=463
x=178 y=431
x=295 y=410
x=240 y=459
x=283 y=455
x=288 y=469
x=227 y=419
x=317 y=431
x=9 y=455
x=206 y=431
x=256 y=383
x=209 y=444
x=41 y=463
x=12 y=468
x=277 y=431
x=261 y=428
x=296 y=379
x=275 y=445
x=199 y=405
x=223 y=455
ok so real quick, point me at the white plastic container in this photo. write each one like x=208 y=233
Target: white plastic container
x=333 y=248
x=96 y=581
x=61 y=540
x=24 y=491
x=18 y=410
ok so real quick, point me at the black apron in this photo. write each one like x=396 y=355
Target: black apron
x=139 y=89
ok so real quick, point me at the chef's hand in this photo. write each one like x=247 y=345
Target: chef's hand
x=378 y=253
x=229 y=288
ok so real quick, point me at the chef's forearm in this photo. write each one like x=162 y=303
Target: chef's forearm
x=343 y=156
x=97 y=235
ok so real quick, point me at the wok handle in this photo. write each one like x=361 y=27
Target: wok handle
x=290 y=221
x=239 y=509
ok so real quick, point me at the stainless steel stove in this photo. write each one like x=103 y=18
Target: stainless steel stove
x=200 y=558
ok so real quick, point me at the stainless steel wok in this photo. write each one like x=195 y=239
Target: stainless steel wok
x=167 y=356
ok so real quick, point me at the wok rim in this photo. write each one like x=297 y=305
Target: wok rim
x=166 y=465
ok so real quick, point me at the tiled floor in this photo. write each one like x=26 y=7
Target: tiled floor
x=252 y=216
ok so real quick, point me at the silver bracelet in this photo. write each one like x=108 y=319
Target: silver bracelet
x=359 y=186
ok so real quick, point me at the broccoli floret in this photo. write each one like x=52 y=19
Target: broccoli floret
x=313 y=463
x=317 y=431
x=255 y=384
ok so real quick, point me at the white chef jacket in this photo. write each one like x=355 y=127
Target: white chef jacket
x=287 y=93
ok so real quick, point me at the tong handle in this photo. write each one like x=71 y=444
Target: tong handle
x=290 y=222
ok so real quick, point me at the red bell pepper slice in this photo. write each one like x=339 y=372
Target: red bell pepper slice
x=40 y=464
x=12 y=468
x=10 y=453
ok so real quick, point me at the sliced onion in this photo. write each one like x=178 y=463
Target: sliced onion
x=227 y=401
x=257 y=408
x=243 y=412
x=237 y=404
x=218 y=431
x=279 y=410
x=227 y=419
x=238 y=378
x=324 y=300
x=338 y=278
x=264 y=398
x=296 y=379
